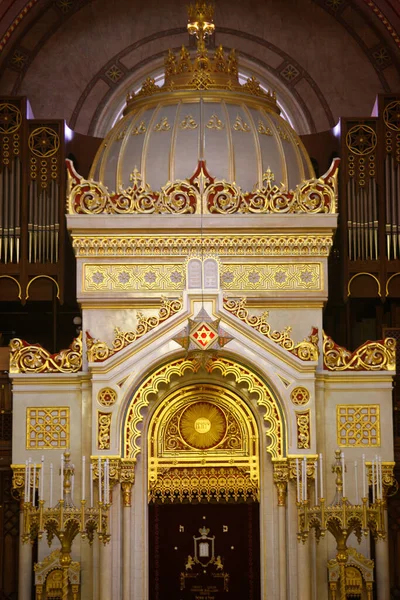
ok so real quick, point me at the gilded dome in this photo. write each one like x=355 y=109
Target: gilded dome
x=201 y=114
x=165 y=136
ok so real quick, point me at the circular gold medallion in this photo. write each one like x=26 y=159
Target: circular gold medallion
x=202 y=425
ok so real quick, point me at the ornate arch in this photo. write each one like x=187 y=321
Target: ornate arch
x=227 y=367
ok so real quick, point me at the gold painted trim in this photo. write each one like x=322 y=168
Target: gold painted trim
x=15 y=281
x=281 y=150
x=152 y=120
x=257 y=146
x=369 y=275
x=388 y=281
x=42 y=277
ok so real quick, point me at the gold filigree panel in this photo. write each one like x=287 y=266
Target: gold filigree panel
x=228 y=368
x=103 y=430
x=358 y=425
x=371 y=356
x=97 y=351
x=273 y=277
x=32 y=358
x=223 y=245
x=303 y=430
x=305 y=350
x=47 y=428
x=189 y=484
x=133 y=278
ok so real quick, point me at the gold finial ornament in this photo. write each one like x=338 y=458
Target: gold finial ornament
x=201 y=22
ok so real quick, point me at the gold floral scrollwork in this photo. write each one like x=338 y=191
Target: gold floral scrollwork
x=307 y=350
x=195 y=484
x=300 y=396
x=104 y=430
x=303 y=429
x=281 y=478
x=98 y=351
x=32 y=358
x=127 y=479
x=312 y=196
x=107 y=396
x=371 y=356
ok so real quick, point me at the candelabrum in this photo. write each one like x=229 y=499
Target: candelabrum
x=340 y=518
x=65 y=520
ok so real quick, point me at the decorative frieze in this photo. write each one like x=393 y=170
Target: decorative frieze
x=371 y=356
x=32 y=358
x=272 y=277
x=133 y=278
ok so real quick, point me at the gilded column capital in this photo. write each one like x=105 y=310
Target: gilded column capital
x=127 y=479
x=281 y=478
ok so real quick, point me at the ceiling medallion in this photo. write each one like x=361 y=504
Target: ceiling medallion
x=202 y=333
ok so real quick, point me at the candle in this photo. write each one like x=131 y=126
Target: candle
x=364 y=482
x=91 y=485
x=380 y=478
x=305 y=479
x=72 y=487
x=26 y=482
x=298 y=479
x=107 y=482
x=343 y=477
x=321 y=476
x=373 y=481
x=316 y=482
x=62 y=477
x=34 y=485
x=51 y=485
x=356 y=479
x=29 y=479
x=41 y=477
x=99 y=469
x=83 y=476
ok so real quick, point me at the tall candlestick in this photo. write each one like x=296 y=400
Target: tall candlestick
x=83 y=476
x=321 y=475
x=373 y=482
x=356 y=479
x=41 y=478
x=316 y=482
x=364 y=482
x=51 y=485
x=91 y=485
x=99 y=468
x=298 y=479
x=34 y=485
x=62 y=477
x=343 y=476
x=26 y=482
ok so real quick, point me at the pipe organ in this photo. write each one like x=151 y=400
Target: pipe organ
x=32 y=199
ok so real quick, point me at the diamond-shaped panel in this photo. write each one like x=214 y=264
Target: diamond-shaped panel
x=204 y=335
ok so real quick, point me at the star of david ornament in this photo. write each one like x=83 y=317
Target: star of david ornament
x=202 y=333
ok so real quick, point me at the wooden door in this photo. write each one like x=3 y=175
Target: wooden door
x=207 y=551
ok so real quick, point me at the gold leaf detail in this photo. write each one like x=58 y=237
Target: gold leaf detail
x=32 y=358
x=162 y=125
x=139 y=129
x=188 y=123
x=240 y=124
x=371 y=356
x=215 y=123
x=263 y=129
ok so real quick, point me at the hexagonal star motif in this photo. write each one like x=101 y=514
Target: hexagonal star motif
x=361 y=139
x=204 y=335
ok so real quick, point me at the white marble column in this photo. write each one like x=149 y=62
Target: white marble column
x=303 y=571
x=282 y=552
x=25 y=566
x=105 y=570
x=382 y=565
x=126 y=540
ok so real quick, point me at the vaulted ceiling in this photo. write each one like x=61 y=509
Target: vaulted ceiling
x=71 y=56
